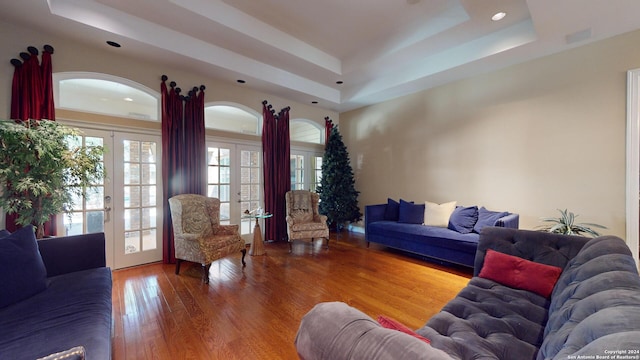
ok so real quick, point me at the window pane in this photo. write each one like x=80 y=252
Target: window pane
x=95 y=198
x=131 y=173
x=73 y=224
x=224 y=193
x=212 y=156
x=95 y=221
x=225 y=175
x=131 y=219
x=149 y=239
x=148 y=196
x=131 y=242
x=148 y=152
x=225 y=157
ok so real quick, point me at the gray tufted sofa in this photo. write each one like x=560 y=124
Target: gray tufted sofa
x=593 y=311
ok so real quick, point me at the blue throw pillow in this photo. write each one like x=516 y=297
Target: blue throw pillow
x=411 y=213
x=392 y=211
x=22 y=272
x=4 y=233
x=487 y=218
x=463 y=219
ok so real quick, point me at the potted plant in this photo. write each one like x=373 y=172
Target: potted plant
x=40 y=175
x=565 y=224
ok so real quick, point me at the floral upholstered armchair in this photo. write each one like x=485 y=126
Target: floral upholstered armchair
x=303 y=219
x=198 y=235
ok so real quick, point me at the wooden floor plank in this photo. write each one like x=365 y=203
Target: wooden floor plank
x=254 y=312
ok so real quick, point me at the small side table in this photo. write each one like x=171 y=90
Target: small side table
x=257 y=246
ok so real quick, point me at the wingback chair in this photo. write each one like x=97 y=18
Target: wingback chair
x=303 y=219
x=198 y=235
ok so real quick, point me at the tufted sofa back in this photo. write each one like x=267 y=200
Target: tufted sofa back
x=595 y=305
x=545 y=248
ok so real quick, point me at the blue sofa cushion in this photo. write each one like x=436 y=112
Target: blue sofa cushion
x=427 y=235
x=463 y=219
x=4 y=233
x=410 y=213
x=75 y=310
x=487 y=320
x=487 y=218
x=392 y=211
x=22 y=272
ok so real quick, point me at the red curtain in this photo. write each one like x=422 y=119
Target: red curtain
x=283 y=172
x=269 y=168
x=195 y=159
x=328 y=125
x=183 y=152
x=32 y=98
x=277 y=169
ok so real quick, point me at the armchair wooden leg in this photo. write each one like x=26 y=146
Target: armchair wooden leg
x=327 y=246
x=206 y=272
x=244 y=252
x=178 y=261
x=290 y=246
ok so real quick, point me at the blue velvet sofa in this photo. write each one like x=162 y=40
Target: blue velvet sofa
x=399 y=225
x=589 y=309
x=55 y=298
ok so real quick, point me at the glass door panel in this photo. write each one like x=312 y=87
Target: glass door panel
x=138 y=174
x=250 y=189
x=234 y=175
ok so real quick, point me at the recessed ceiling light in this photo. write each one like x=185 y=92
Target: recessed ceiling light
x=128 y=99
x=498 y=16
x=240 y=81
x=339 y=82
x=113 y=43
x=314 y=102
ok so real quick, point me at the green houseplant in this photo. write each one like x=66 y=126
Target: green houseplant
x=565 y=224
x=40 y=175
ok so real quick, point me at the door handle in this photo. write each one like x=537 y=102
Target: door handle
x=107 y=214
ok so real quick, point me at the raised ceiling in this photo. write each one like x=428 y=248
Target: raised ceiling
x=301 y=49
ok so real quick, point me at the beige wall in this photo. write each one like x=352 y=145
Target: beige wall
x=530 y=139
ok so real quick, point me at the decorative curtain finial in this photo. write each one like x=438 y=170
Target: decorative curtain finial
x=48 y=48
x=164 y=77
x=32 y=50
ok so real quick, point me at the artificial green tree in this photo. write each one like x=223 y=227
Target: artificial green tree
x=39 y=174
x=338 y=195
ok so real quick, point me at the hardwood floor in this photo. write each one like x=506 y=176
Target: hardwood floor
x=254 y=312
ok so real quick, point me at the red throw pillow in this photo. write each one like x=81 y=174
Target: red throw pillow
x=519 y=273
x=389 y=323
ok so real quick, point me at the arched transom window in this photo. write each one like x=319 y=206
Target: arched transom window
x=105 y=94
x=304 y=130
x=233 y=118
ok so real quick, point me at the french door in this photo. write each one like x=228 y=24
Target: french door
x=127 y=206
x=234 y=175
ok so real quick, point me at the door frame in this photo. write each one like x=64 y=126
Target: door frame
x=633 y=164
x=110 y=244
x=241 y=144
